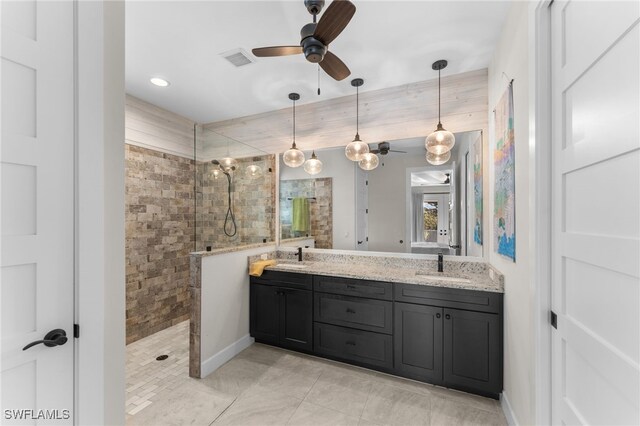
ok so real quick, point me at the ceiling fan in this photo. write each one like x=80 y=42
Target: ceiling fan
x=384 y=148
x=316 y=37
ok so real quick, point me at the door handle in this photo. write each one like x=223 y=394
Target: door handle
x=57 y=337
x=359 y=242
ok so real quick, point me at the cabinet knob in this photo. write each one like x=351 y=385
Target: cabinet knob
x=438 y=315
x=447 y=316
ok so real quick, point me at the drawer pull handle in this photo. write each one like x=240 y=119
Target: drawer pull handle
x=351 y=287
x=350 y=343
x=350 y=311
x=437 y=315
x=447 y=316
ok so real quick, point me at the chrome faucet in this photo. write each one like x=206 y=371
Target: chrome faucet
x=299 y=254
x=440 y=262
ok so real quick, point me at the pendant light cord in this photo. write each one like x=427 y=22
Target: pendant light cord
x=439 y=122
x=294 y=123
x=357 y=110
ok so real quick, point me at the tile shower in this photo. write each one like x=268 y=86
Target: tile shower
x=175 y=205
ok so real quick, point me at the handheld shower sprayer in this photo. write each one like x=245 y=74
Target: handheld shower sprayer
x=230 y=228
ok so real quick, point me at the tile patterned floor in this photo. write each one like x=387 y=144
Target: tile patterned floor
x=265 y=385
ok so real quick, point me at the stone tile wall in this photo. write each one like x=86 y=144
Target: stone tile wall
x=253 y=204
x=320 y=210
x=160 y=220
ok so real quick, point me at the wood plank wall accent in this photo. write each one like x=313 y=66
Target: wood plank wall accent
x=398 y=112
x=152 y=127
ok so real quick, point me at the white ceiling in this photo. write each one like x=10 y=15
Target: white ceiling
x=388 y=43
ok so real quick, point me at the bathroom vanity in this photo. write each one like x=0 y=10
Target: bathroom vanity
x=444 y=329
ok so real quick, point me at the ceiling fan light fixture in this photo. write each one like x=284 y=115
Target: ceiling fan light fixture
x=438 y=159
x=293 y=157
x=369 y=161
x=441 y=140
x=313 y=166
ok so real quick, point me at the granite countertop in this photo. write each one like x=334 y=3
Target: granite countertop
x=230 y=249
x=476 y=281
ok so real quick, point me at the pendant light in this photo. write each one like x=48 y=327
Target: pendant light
x=293 y=157
x=441 y=140
x=356 y=149
x=369 y=161
x=254 y=171
x=436 y=159
x=313 y=166
x=228 y=163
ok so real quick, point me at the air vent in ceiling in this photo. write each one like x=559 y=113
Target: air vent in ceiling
x=238 y=57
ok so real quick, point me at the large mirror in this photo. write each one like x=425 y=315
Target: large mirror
x=405 y=205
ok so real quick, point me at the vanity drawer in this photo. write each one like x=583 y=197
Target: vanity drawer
x=285 y=279
x=351 y=287
x=355 y=312
x=360 y=346
x=471 y=300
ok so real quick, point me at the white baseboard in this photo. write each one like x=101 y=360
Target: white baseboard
x=213 y=363
x=506 y=409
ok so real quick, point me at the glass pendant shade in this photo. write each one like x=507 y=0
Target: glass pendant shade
x=228 y=163
x=356 y=149
x=369 y=161
x=254 y=171
x=438 y=160
x=216 y=173
x=440 y=141
x=293 y=157
x=313 y=166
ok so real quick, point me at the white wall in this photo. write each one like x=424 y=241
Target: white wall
x=100 y=275
x=511 y=57
x=336 y=166
x=225 y=307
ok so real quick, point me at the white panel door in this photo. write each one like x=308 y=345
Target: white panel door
x=362 y=210
x=596 y=212
x=37 y=213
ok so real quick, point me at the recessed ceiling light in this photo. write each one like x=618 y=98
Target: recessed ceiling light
x=159 y=81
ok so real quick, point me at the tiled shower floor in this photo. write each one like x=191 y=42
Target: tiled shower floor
x=265 y=385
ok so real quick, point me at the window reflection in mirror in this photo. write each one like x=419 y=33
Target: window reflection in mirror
x=405 y=205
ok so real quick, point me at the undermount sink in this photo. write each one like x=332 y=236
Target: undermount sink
x=431 y=276
x=291 y=265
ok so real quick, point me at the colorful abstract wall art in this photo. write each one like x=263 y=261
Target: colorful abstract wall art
x=504 y=215
x=477 y=190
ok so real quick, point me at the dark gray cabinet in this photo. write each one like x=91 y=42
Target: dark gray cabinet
x=445 y=336
x=418 y=342
x=473 y=351
x=281 y=310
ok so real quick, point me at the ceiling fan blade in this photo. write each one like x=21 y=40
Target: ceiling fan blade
x=276 y=51
x=333 y=66
x=334 y=20
x=394 y=150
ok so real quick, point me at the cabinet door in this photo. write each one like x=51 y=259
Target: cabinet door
x=265 y=312
x=473 y=351
x=418 y=342
x=296 y=319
